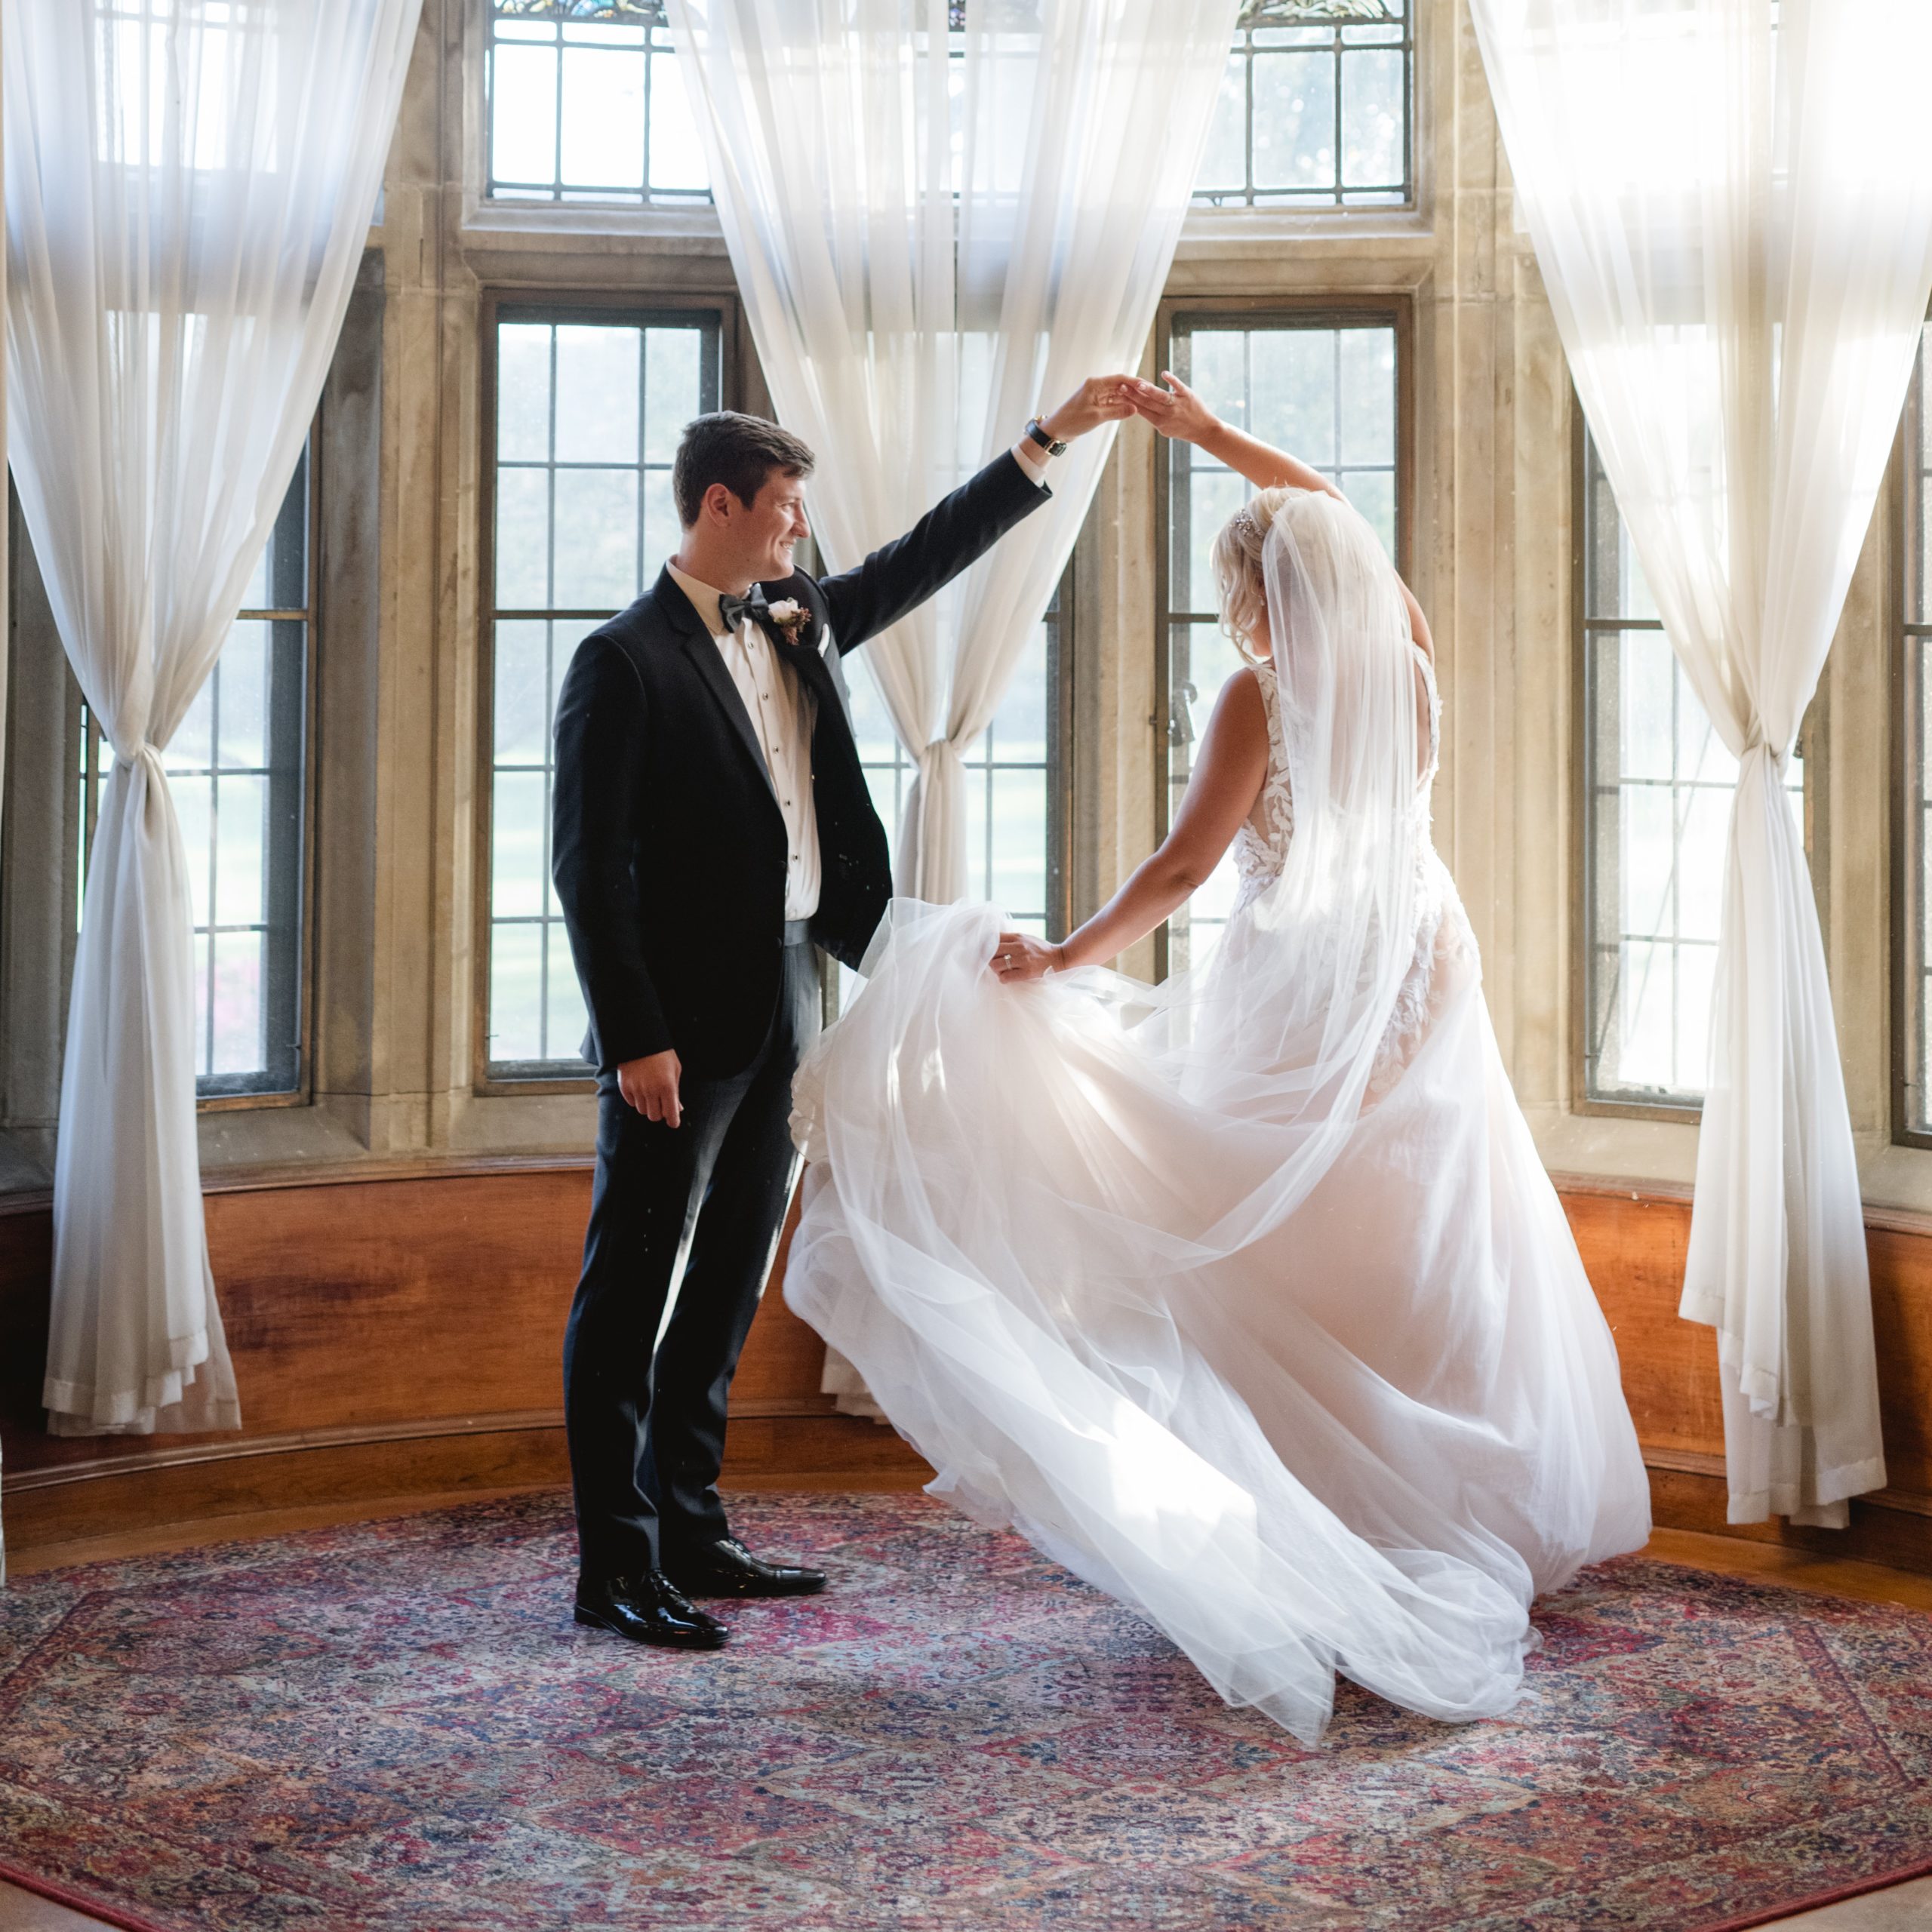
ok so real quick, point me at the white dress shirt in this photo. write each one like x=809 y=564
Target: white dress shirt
x=782 y=713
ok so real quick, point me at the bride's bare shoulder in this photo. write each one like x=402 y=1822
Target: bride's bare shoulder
x=1239 y=723
x=1229 y=766
x=1242 y=695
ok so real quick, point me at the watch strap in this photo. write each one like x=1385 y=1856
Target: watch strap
x=1037 y=431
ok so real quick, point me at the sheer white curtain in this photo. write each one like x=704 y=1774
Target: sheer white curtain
x=188 y=187
x=934 y=237
x=932 y=244
x=1734 y=222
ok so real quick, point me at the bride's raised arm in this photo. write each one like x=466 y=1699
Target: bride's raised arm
x=1178 y=412
x=1231 y=765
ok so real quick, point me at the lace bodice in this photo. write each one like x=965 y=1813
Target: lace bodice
x=1426 y=665
x=1261 y=844
x=1445 y=948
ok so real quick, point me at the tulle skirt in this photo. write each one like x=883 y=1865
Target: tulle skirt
x=1362 y=1441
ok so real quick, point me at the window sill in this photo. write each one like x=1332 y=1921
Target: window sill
x=248 y=1103
x=1656 y=1155
x=1210 y=231
x=1896 y=1178
x=550 y=1122
x=1647 y=1153
x=561 y=227
x=233 y=1137
x=308 y=1148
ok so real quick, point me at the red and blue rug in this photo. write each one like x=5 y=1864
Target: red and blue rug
x=396 y=1727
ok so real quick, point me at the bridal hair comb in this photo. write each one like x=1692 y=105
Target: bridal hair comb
x=1250 y=528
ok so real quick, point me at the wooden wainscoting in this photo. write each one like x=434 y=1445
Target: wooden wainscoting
x=1633 y=1248
x=397 y=1334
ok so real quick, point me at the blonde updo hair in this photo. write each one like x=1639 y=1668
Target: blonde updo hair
x=1237 y=556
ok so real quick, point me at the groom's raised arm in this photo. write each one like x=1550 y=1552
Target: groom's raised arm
x=600 y=755
x=958 y=531
x=962 y=528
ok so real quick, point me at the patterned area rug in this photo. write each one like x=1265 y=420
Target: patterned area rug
x=397 y=1726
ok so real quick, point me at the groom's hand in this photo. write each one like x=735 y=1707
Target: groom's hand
x=1099 y=399
x=651 y=1085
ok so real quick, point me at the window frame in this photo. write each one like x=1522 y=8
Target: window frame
x=1810 y=747
x=1061 y=692
x=301 y=1093
x=672 y=202
x=550 y=305
x=1907 y=906
x=1056 y=768
x=1280 y=201
x=1324 y=311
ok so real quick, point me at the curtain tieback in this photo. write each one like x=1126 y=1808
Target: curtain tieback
x=1780 y=757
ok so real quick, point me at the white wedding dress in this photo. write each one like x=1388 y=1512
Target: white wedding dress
x=1246 y=1297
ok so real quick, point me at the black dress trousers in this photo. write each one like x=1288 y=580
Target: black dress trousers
x=684 y=1222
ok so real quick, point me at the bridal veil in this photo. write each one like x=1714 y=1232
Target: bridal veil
x=1245 y=1296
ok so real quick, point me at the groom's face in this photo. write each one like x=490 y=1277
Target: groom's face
x=774 y=525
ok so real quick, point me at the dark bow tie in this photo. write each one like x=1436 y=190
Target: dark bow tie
x=732 y=611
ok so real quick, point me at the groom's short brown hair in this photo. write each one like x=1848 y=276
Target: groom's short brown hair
x=737 y=450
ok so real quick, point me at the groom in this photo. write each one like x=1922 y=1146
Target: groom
x=712 y=824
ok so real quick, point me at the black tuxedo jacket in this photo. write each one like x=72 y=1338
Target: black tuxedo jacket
x=668 y=849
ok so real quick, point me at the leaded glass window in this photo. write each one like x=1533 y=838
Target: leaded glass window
x=237 y=769
x=1016 y=817
x=589 y=406
x=1325 y=390
x=1913 y=910
x=1316 y=107
x=1656 y=812
x=585 y=104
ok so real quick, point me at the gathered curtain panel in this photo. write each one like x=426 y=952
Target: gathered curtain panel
x=936 y=236
x=188 y=188
x=1733 y=219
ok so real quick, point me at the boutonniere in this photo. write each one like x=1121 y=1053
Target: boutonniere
x=789 y=618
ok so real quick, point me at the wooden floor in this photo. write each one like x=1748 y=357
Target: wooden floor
x=1905 y=1908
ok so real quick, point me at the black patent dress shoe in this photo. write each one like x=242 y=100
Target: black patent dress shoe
x=648 y=1609
x=726 y=1568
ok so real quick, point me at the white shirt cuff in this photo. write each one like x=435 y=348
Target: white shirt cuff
x=1032 y=458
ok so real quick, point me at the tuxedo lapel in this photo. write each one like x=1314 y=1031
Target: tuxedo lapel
x=701 y=648
x=807 y=665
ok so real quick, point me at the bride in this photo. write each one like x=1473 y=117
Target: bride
x=1245 y=1297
